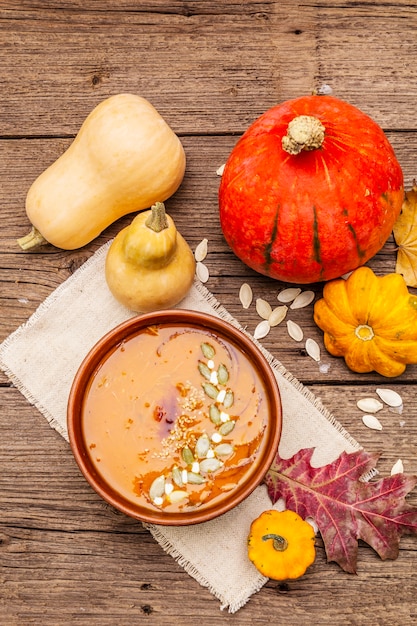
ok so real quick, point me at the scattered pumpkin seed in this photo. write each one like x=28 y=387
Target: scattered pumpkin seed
x=294 y=331
x=208 y=350
x=288 y=295
x=195 y=467
x=313 y=349
x=210 y=465
x=202 y=446
x=158 y=500
x=222 y=374
x=277 y=315
x=157 y=489
x=227 y=428
x=371 y=421
x=210 y=454
x=263 y=308
x=187 y=455
x=228 y=399
x=245 y=295
x=369 y=405
x=200 y=252
x=195 y=478
x=204 y=370
x=214 y=414
x=214 y=379
x=202 y=272
x=220 y=170
x=169 y=487
x=210 y=390
x=216 y=438
x=397 y=468
x=223 y=449
x=224 y=417
x=303 y=299
x=184 y=476
x=390 y=397
x=177 y=496
x=262 y=329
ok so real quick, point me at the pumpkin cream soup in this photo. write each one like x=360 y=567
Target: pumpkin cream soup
x=174 y=417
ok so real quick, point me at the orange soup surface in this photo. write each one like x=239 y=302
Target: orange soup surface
x=174 y=417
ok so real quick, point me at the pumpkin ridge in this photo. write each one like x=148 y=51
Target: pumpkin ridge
x=268 y=247
x=316 y=239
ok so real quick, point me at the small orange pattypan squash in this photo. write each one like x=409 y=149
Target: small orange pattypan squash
x=281 y=544
x=369 y=320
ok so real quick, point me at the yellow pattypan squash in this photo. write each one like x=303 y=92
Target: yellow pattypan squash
x=369 y=320
x=281 y=544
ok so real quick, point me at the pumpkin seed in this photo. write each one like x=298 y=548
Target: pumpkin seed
x=397 y=468
x=220 y=170
x=288 y=295
x=229 y=399
x=202 y=446
x=222 y=374
x=210 y=390
x=303 y=299
x=223 y=449
x=214 y=414
x=200 y=252
x=245 y=295
x=390 y=397
x=263 y=308
x=208 y=350
x=216 y=438
x=372 y=422
x=227 y=428
x=277 y=315
x=195 y=479
x=214 y=378
x=294 y=331
x=187 y=455
x=177 y=476
x=177 y=496
x=204 y=370
x=210 y=454
x=169 y=487
x=202 y=272
x=210 y=465
x=369 y=405
x=313 y=349
x=225 y=417
x=262 y=329
x=157 y=489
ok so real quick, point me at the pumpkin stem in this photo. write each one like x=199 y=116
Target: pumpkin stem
x=157 y=220
x=364 y=332
x=304 y=132
x=280 y=543
x=34 y=239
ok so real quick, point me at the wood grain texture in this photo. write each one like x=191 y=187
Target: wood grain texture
x=66 y=557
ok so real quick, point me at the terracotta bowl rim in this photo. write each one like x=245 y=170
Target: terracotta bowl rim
x=99 y=351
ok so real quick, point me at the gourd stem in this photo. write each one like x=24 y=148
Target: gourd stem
x=304 y=132
x=280 y=543
x=34 y=239
x=157 y=220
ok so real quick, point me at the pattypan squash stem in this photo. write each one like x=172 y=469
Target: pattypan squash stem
x=157 y=220
x=34 y=239
x=280 y=543
x=304 y=132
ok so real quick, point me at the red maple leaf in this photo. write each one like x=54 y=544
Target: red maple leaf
x=344 y=507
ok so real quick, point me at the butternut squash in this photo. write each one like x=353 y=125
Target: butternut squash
x=124 y=159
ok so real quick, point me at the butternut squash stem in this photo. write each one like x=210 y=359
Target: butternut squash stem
x=34 y=239
x=157 y=220
x=304 y=132
x=280 y=543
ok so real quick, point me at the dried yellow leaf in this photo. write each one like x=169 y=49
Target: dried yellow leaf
x=405 y=234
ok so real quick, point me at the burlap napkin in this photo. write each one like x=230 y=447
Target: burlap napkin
x=41 y=358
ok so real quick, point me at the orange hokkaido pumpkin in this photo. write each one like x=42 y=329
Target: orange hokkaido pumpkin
x=310 y=191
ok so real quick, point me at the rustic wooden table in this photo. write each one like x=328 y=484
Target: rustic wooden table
x=210 y=69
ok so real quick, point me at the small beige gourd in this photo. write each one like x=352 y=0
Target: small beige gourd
x=149 y=265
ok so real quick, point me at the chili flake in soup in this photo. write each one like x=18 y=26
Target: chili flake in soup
x=174 y=417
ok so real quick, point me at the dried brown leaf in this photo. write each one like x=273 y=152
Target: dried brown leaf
x=405 y=234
